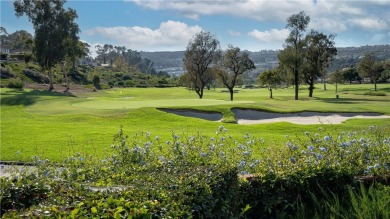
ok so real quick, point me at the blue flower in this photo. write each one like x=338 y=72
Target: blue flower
x=47 y=173
x=212 y=139
x=293 y=160
x=252 y=165
x=246 y=153
x=168 y=142
x=385 y=141
x=326 y=138
x=368 y=170
x=376 y=166
x=307 y=133
x=202 y=154
x=323 y=149
x=310 y=148
x=319 y=156
x=345 y=144
x=241 y=164
x=362 y=139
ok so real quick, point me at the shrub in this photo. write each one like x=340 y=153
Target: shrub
x=209 y=177
x=35 y=76
x=96 y=80
x=16 y=83
x=5 y=73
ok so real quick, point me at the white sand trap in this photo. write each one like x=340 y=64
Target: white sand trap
x=247 y=116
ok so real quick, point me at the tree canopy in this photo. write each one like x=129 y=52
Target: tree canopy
x=292 y=55
x=202 y=51
x=54 y=28
x=233 y=64
x=319 y=51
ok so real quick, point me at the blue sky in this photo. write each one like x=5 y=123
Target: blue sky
x=166 y=25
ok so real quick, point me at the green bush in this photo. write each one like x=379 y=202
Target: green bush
x=16 y=83
x=35 y=76
x=5 y=73
x=96 y=80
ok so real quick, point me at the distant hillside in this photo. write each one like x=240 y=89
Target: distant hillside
x=172 y=62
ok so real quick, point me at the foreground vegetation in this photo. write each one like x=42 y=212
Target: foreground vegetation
x=315 y=174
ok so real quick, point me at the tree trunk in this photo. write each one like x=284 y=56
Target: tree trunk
x=324 y=84
x=336 y=88
x=231 y=93
x=270 y=92
x=375 y=84
x=311 y=88
x=296 y=82
x=66 y=80
x=51 y=87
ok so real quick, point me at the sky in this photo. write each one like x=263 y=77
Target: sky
x=254 y=25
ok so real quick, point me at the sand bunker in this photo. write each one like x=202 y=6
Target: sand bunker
x=196 y=114
x=247 y=116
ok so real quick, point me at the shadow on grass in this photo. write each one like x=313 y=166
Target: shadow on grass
x=20 y=97
x=342 y=100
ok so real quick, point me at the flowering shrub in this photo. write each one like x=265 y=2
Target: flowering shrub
x=199 y=176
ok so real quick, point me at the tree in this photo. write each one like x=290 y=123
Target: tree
x=337 y=77
x=233 y=64
x=202 y=51
x=368 y=68
x=319 y=52
x=51 y=24
x=351 y=74
x=19 y=39
x=292 y=55
x=270 y=78
x=120 y=64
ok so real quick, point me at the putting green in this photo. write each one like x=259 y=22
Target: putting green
x=105 y=106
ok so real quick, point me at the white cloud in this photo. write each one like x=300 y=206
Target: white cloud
x=272 y=36
x=256 y=9
x=171 y=35
x=328 y=25
x=369 y=23
x=329 y=16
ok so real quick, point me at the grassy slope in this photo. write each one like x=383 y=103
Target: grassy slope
x=53 y=125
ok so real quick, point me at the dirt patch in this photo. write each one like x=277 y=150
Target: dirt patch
x=211 y=116
x=248 y=116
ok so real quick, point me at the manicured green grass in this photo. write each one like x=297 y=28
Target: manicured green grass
x=54 y=125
